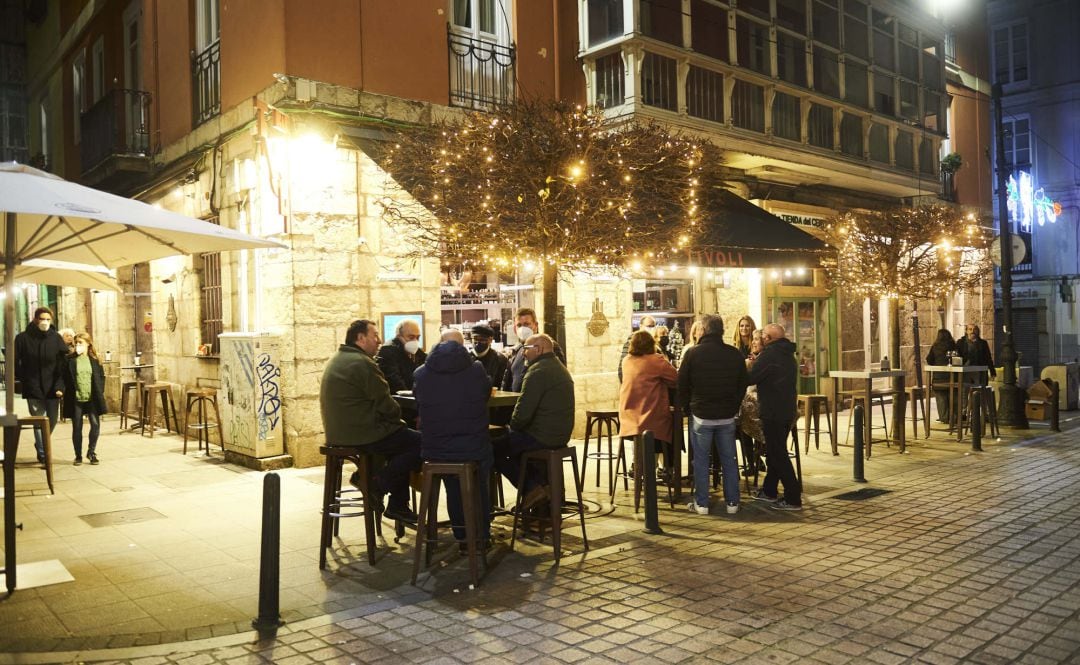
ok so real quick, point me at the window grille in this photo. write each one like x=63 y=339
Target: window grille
x=705 y=94
x=820 y=126
x=787 y=116
x=658 y=82
x=748 y=106
x=608 y=77
x=851 y=135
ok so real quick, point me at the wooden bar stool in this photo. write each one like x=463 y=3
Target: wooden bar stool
x=553 y=458
x=868 y=403
x=200 y=401
x=338 y=502
x=919 y=397
x=168 y=408
x=427 y=524
x=129 y=409
x=605 y=422
x=41 y=423
x=812 y=405
x=989 y=410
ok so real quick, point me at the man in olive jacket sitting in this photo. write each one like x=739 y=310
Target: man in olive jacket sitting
x=543 y=416
x=357 y=410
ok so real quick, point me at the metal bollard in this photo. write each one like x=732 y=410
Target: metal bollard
x=857 y=463
x=648 y=471
x=976 y=421
x=1055 y=395
x=270 y=557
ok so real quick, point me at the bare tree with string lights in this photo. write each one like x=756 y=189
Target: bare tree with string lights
x=545 y=183
x=908 y=253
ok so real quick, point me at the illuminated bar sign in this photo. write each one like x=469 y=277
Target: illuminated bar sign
x=1027 y=204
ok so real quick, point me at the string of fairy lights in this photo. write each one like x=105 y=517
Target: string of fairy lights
x=544 y=182
x=911 y=252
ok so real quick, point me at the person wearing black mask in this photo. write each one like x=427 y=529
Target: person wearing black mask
x=494 y=362
x=39 y=367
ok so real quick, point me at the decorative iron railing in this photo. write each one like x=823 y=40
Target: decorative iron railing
x=948 y=186
x=482 y=73
x=206 y=83
x=118 y=124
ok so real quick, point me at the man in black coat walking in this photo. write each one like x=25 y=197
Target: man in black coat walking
x=775 y=372
x=39 y=367
x=975 y=351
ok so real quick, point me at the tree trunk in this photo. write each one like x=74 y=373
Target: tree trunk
x=551 y=300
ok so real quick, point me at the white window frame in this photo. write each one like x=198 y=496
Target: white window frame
x=97 y=62
x=501 y=17
x=78 y=94
x=132 y=57
x=207 y=24
x=1012 y=82
x=1010 y=122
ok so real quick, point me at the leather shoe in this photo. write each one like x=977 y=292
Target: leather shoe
x=534 y=498
x=402 y=513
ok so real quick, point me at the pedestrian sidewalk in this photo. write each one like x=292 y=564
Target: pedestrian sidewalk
x=164 y=552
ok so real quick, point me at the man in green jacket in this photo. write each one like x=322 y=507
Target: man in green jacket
x=543 y=417
x=357 y=410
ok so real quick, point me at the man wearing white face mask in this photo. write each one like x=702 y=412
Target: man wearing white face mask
x=401 y=356
x=39 y=365
x=527 y=326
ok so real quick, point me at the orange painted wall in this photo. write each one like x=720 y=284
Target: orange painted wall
x=252 y=47
x=972 y=135
x=323 y=41
x=536 y=55
x=168 y=68
x=403 y=49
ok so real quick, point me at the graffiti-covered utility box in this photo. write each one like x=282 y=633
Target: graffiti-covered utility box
x=250 y=396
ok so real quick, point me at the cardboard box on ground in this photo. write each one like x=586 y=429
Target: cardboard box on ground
x=1037 y=406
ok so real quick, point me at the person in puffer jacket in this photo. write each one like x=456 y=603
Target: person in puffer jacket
x=452 y=391
x=774 y=372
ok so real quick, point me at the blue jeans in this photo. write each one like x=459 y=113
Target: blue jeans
x=456 y=509
x=43 y=407
x=84 y=409
x=703 y=439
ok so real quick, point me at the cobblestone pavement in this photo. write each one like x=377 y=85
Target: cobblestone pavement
x=966 y=558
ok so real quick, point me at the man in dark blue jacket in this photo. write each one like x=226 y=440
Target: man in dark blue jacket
x=774 y=372
x=452 y=391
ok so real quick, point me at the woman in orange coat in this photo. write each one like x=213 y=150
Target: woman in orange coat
x=643 y=397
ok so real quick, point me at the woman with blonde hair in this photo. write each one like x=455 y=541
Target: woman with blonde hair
x=84 y=394
x=744 y=335
x=695 y=335
x=643 y=397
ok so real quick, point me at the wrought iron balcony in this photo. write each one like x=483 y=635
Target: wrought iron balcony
x=948 y=187
x=481 y=73
x=115 y=136
x=206 y=83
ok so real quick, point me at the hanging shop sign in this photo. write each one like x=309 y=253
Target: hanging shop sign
x=1028 y=204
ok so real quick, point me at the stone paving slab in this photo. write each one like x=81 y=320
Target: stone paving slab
x=968 y=558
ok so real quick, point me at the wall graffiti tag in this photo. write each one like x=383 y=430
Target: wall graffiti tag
x=270 y=398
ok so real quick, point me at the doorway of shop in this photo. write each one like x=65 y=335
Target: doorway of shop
x=806 y=321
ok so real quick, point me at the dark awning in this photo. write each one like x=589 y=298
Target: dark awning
x=738 y=234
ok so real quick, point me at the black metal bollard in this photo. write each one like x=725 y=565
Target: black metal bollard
x=857 y=463
x=648 y=471
x=1055 y=395
x=11 y=448
x=270 y=557
x=976 y=420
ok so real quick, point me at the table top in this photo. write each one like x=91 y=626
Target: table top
x=135 y=366
x=955 y=369
x=500 y=398
x=865 y=373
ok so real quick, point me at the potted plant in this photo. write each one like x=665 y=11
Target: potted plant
x=951 y=162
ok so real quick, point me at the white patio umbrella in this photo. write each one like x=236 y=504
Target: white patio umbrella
x=64 y=273
x=48 y=218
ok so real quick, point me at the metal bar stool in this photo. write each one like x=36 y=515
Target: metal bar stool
x=168 y=407
x=919 y=398
x=129 y=409
x=605 y=422
x=338 y=502
x=427 y=523
x=868 y=403
x=553 y=458
x=41 y=423
x=812 y=405
x=200 y=400
x=989 y=410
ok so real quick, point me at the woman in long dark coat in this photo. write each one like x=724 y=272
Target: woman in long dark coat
x=944 y=346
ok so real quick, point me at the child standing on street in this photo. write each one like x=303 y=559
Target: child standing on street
x=84 y=394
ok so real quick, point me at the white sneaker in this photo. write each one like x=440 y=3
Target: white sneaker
x=700 y=510
x=732 y=508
